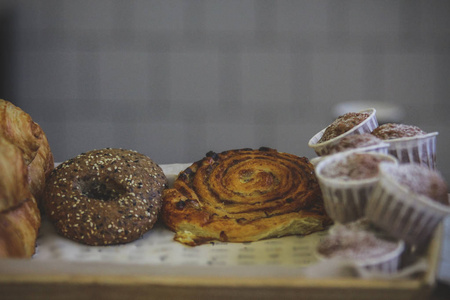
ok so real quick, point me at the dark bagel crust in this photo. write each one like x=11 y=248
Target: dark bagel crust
x=105 y=197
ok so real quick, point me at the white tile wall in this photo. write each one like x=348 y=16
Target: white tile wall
x=175 y=79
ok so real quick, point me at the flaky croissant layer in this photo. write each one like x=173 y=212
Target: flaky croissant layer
x=25 y=162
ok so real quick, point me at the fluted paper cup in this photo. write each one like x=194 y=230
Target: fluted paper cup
x=366 y=126
x=386 y=263
x=419 y=149
x=382 y=148
x=402 y=213
x=345 y=200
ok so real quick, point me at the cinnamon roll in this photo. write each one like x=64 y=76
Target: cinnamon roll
x=244 y=195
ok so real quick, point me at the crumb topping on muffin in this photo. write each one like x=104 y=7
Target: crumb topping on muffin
x=421 y=180
x=354 y=167
x=353 y=243
x=391 y=131
x=355 y=141
x=343 y=124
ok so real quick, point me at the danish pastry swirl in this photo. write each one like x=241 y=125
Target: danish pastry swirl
x=244 y=195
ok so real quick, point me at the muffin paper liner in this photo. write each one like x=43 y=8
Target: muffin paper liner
x=345 y=200
x=366 y=126
x=382 y=148
x=388 y=263
x=418 y=149
x=403 y=214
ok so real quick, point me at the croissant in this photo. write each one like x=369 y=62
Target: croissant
x=39 y=170
x=17 y=127
x=19 y=214
x=244 y=195
x=14 y=178
x=25 y=163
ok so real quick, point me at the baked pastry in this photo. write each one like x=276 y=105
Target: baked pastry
x=362 y=245
x=350 y=123
x=25 y=162
x=422 y=181
x=391 y=131
x=14 y=178
x=19 y=228
x=347 y=180
x=409 y=143
x=343 y=124
x=19 y=216
x=364 y=142
x=355 y=166
x=357 y=141
x=39 y=170
x=105 y=197
x=409 y=201
x=244 y=195
x=17 y=127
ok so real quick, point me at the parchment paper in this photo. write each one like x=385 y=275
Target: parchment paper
x=157 y=247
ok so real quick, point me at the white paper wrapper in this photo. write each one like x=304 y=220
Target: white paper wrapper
x=386 y=263
x=345 y=200
x=366 y=126
x=419 y=149
x=157 y=247
x=379 y=148
x=401 y=213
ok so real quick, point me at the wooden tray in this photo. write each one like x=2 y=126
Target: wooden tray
x=32 y=279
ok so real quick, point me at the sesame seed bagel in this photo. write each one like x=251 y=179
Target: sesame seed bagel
x=105 y=197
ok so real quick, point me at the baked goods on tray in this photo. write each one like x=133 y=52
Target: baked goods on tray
x=244 y=195
x=105 y=197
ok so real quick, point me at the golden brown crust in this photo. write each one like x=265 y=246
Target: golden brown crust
x=104 y=197
x=19 y=228
x=25 y=162
x=17 y=127
x=39 y=170
x=244 y=195
x=19 y=215
x=14 y=177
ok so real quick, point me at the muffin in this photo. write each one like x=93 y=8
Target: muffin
x=409 y=201
x=360 y=244
x=343 y=124
x=409 y=143
x=364 y=142
x=350 y=123
x=346 y=180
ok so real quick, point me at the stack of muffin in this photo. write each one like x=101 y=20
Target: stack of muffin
x=384 y=176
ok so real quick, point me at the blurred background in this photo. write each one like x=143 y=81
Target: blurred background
x=174 y=79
